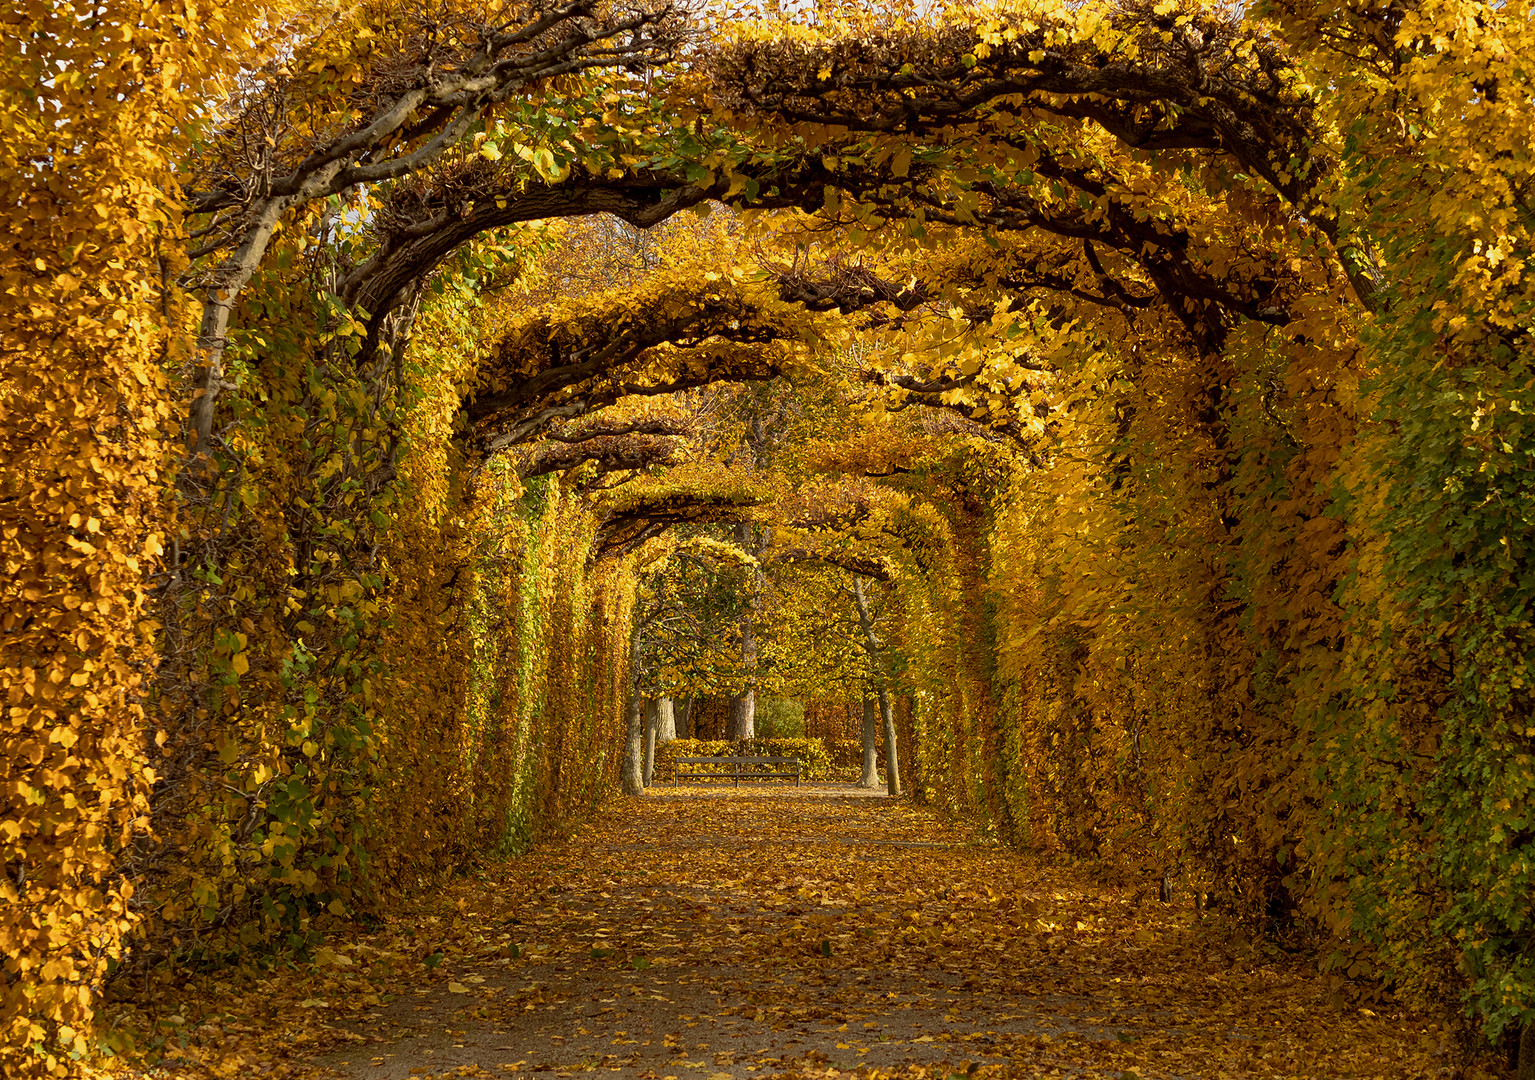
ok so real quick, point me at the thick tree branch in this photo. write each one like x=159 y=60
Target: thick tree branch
x=459 y=88
x=610 y=453
x=1193 y=82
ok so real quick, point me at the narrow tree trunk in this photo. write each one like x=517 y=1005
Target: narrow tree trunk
x=743 y=707
x=209 y=378
x=870 y=777
x=213 y=333
x=685 y=718
x=908 y=705
x=892 y=755
x=1526 y=1066
x=652 y=720
x=632 y=771
x=882 y=690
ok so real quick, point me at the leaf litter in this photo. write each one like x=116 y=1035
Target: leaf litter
x=707 y=934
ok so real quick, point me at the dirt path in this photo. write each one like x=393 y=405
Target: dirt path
x=715 y=935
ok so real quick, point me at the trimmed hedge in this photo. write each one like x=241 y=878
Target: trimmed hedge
x=847 y=757
x=812 y=753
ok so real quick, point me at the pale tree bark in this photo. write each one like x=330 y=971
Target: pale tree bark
x=660 y=729
x=743 y=707
x=212 y=335
x=743 y=716
x=652 y=721
x=870 y=777
x=892 y=757
x=882 y=689
x=632 y=771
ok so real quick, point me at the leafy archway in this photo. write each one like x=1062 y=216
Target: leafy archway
x=1166 y=364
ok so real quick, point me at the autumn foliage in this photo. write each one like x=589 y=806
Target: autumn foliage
x=1133 y=400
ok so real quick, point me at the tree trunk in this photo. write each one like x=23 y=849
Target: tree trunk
x=906 y=725
x=1526 y=1067
x=743 y=707
x=684 y=714
x=882 y=689
x=652 y=720
x=660 y=729
x=870 y=777
x=743 y=716
x=632 y=771
x=212 y=335
x=892 y=755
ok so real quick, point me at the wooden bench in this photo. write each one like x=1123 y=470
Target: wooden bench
x=737 y=769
